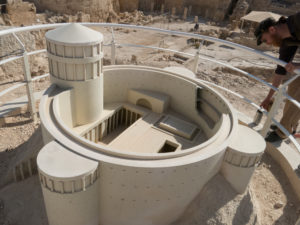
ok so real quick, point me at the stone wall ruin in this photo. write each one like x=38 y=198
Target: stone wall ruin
x=108 y=10
x=99 y=10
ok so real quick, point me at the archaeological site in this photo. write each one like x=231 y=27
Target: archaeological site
x=149 y=112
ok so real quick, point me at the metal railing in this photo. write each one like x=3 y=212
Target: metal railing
x=281 y=94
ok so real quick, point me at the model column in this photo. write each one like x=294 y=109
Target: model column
x=76 y=61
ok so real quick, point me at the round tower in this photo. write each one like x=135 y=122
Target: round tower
x=69 y=184
x=76 y=61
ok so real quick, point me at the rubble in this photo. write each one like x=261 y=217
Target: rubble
x=240 y=10
x=224 y=33
x=9 y=46
x=278 y=205
x=80 y=16
x=134 y=59
x=120 y=11
x=98 y=10
x=38 y=66
x=20 y=13
x=83 y=17
x=136 y=17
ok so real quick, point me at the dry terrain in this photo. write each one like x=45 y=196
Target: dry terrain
x=269 y=198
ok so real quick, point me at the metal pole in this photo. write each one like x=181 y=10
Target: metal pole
x=196 y=58
x=27 y=78
x=29 y=87
x=292 y=79
x=113 y=48
x=273 y=111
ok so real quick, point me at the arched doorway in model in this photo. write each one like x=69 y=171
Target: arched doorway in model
x=144 y=103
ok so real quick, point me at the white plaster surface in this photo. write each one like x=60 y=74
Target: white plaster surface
x=139 y=191
x=134 y=186
x=225 y=126
x=242 y=156
x=180 y=70
x=74 y=34
x=178 y=126
x=238 y=177
x=247 y=141
x=159 y=102
x=130 y=195
x=72 y=209
x=55 y=161
x=86 y=99
x=70 y=186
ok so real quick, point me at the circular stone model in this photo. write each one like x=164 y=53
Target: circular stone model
x=157 y=136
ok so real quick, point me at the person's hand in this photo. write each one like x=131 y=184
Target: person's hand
x=265 y=104
x=290 y=67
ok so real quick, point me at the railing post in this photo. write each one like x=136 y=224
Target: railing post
x=273 y=111
x=27 y=77
x=196 y=58
x=113 y=48
x=29 y=87
x=196 y=62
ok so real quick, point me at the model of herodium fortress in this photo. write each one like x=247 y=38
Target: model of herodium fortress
x=132 y=144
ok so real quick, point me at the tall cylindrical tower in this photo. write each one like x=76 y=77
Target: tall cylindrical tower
x=75 y=61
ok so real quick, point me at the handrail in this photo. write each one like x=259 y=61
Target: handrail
x=291 y=137
x=10 y=59
x=291 y=79
x=7 y=90
x=205 y=58
x=164 y=49
x=178 y=33
x=296 y=103
x=12 y=88
x=21 y=56
x=237 y=95
x=154 y=47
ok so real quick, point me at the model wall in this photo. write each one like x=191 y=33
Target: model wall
x=137 y=195
x=182 y=92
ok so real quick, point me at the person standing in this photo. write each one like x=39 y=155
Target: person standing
x=285 y=34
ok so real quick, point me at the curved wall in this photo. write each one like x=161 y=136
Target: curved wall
x=183 y=93
x=141 y=195
x=141 y=190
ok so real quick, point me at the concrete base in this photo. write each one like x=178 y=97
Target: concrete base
x=284 y=155
x=242 y=156
x=238 y=177
x=289 y=160
x=77 y=208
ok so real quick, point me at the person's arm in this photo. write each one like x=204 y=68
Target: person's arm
x=277 y=79
x=286 y=53
x=290 y=67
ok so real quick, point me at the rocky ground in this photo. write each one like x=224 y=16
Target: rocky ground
x=269 y=199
